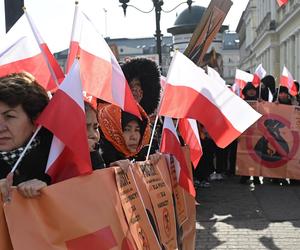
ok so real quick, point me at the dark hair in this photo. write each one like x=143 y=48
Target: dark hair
x=22 y=89
x=127 y=117
x=147 y=72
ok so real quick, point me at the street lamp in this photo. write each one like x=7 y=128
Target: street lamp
x=157 y=6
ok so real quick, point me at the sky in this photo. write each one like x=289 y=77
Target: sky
x=54 y=18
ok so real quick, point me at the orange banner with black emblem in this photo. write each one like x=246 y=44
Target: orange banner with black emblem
x=270 y=147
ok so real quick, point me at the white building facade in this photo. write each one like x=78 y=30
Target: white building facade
x=270 y=35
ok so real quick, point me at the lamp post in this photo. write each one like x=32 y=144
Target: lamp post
x=157 y=6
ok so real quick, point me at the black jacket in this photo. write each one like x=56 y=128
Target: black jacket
x=33 y=164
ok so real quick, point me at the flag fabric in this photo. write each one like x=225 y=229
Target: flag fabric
x=100 y=72
x=287 y=80
x=282 y=2
x=190 y=94
x=189 y=131
x=270 y=96
x=170 y=144
x=242 y=78
x=259 y=74
x=215 y=75
x=13 y=11
x=163 y=82
x=64 y=116
x=24 y=50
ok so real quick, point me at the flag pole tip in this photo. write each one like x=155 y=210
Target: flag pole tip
x=76 y=2
x=24 y=8
x=77 y=57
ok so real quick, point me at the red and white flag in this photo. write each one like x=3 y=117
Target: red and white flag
x=259 y=74
x=287 y=80
x=170 y=144
x=23 y=49
x=189 y=131
x=282 y=2
x=64 y=116
x=242 y=78
x=100 y=72
x=190 y=94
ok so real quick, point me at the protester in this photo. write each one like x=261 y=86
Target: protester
x=250 y=93
x=143 y=77
x=125 y=136
x=22 y=99
x=93 y=134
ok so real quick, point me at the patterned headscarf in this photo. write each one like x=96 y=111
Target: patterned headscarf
x=110 y=122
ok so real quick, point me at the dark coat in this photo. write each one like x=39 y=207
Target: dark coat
x=33 y=164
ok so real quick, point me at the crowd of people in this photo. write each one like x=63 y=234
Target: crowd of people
x=217 y=163
x=115 y=137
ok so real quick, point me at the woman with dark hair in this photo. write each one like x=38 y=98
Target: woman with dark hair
x=143 y=77
x=125 y=136
x=22 y=99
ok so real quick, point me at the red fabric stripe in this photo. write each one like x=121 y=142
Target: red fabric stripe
x=35 y=65
x=188 y=135
x=53 y=63
x=191 y=104
x=102 y=239
x=282 y=2
x=256 y=81
x=284 y=81
x=66 y=120
x=73 y=53
x=171 y=145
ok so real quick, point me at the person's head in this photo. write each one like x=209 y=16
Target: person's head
x=269 y=81
x=297 y=86
x=92 y=126
x=132 y=131
x=143 y=77
x=284 y=96
x=22 y=99
x=249 y=92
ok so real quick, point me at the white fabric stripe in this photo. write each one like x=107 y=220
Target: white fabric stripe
x=118 y=83
x=215 y=75
x=39 y=38
x=72 y=86
x=242 y=75
x=22 y=48
x=193 y=124
x=91 y=40
x=168 y=124
x=183 y=72
x=57 y=146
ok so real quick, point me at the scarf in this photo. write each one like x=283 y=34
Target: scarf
x=11 y=157
x=109 y=117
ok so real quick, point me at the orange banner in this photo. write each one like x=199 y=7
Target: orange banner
x=189 y=226
x=270 y=147
x=161 y=199
x=80 y=212
x=5 y=242
x=135 y=212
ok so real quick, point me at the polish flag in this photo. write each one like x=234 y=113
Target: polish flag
x=215 y=75
x=190 y=94
x=287 y=80
x=64 y=116
x=259 y=74
x=170 y=144
x=100 y=72
x=163 y=82
x=23 y=49
x=189 y=131
x=241 y=78
x=282 y=2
